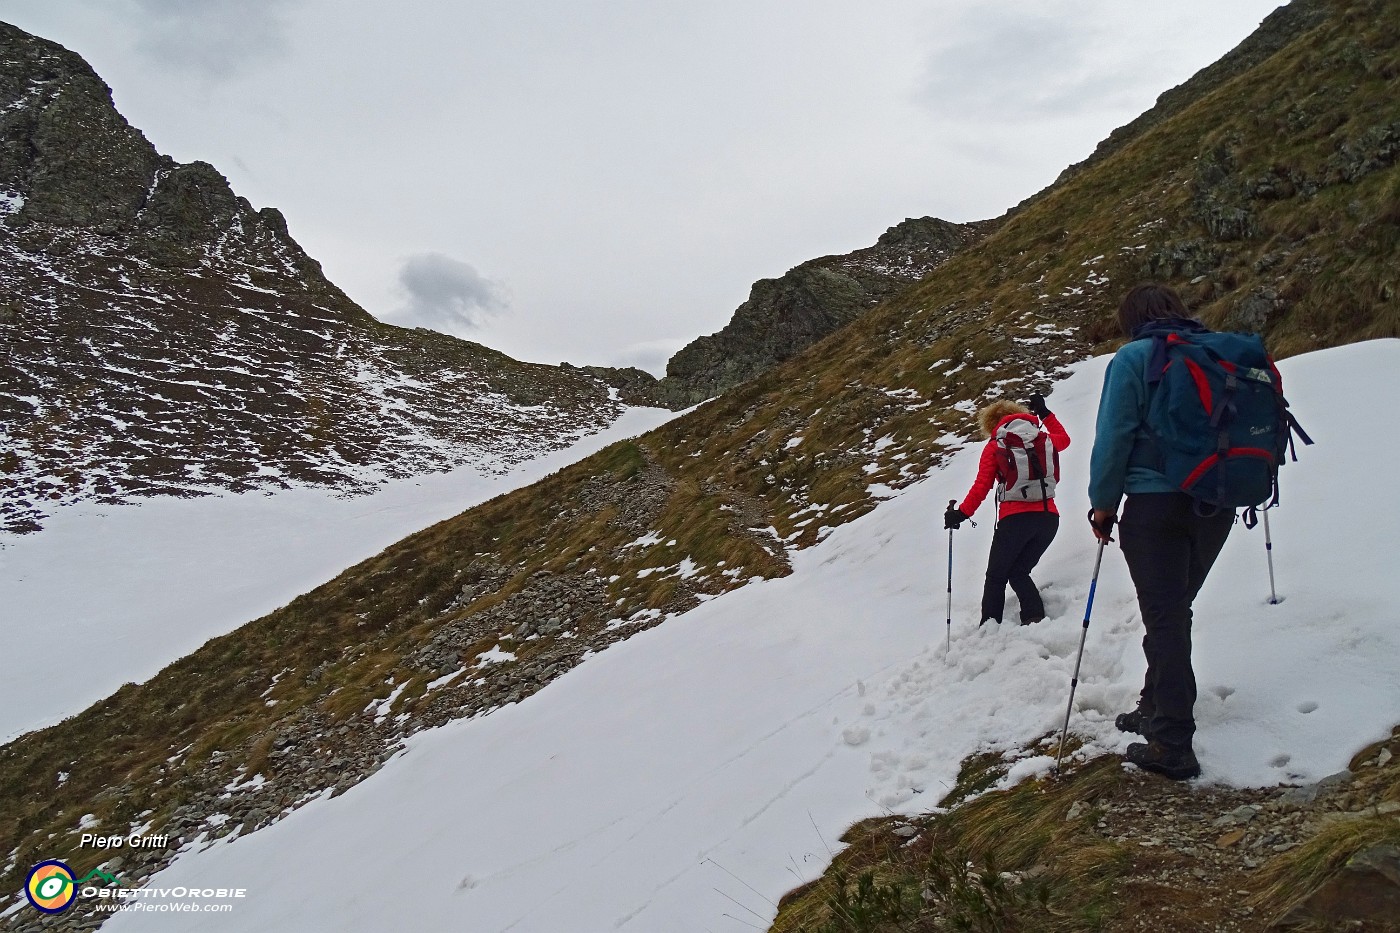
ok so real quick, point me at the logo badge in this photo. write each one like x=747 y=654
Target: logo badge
x=50 y=887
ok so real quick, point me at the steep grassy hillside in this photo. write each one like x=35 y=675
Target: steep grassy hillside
x=1272 y=201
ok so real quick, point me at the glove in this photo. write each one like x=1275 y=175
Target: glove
x=953 y=517
x=1036 y=403
x=1101 y=520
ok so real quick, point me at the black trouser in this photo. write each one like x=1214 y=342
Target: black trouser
x=1169 y=550
x=1017 y=545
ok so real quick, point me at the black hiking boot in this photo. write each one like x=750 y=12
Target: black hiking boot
x=1134 y=722
x=1179 y=764
x=1033 y=621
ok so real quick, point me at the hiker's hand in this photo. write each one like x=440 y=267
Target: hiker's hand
x=1036 y=403
x=953 y=517
x=1101 y=520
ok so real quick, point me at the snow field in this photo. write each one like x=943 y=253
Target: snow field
x=110 y=594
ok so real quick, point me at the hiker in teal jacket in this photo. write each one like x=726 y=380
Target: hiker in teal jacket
x=1122 y=460
x=1168 y=545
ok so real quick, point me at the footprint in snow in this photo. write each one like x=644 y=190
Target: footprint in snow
x=1279 y=761
x=1307 y=706
x=1056 y=604
x=1224 y=693
x=856 y=736
x=973 y=668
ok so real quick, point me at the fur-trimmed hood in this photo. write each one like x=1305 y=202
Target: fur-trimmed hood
x=989 y=417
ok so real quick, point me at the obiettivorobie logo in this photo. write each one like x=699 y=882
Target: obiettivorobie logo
x=51 y=887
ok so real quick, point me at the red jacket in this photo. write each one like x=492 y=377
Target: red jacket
x=987 y=471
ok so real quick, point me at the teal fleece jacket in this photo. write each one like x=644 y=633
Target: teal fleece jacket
x=1122 y=446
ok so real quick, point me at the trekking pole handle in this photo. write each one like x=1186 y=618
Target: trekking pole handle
x=1103 y=532
x=952 y=504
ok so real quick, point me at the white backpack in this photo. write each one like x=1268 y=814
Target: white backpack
x=1028 y=465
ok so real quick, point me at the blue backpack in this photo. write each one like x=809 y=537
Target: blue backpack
x=1217 y=415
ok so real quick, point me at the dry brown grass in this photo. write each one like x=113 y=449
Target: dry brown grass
x=1291 y=879
x=1067 y=869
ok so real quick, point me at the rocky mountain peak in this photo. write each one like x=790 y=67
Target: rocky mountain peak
x=71 y=164
x=65 y=152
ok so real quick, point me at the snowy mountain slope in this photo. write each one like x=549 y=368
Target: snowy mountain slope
x=130 y=588
x=685 y=778
x=160 y=336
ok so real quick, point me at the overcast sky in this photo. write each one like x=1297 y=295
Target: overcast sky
x=600 y=181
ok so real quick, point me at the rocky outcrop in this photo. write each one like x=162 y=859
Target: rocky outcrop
x=1365 y=890
x=63 y=148
x=784 y=316
x=634 y=386
x=72 y=166
x=158 y=335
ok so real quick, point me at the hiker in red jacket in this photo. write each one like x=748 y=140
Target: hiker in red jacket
x=1017 y=461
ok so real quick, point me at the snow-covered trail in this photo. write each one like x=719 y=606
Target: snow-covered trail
x=684 y=779
x=1285 y=692
x=110 y=594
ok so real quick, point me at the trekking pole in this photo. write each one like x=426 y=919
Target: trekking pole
x=1083 y=636
x=948 y=643
x=1269 y=550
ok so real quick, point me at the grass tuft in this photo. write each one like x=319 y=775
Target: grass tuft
x=1291 y=879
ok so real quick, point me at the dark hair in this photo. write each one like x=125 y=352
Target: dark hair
x=1149 y=301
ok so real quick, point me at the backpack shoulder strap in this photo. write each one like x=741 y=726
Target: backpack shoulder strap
x=1165 y=334
x=1162 y=345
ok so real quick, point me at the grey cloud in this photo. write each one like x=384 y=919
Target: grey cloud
x=216 y=39
x=1031 y=64
x=444 y=293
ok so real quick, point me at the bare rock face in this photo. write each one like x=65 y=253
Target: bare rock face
x=158 y=335
x=1367 y=889
x=63 y=147
x=784 y=316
